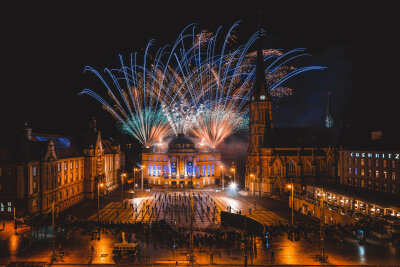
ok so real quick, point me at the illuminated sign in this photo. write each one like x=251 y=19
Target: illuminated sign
x=374 y=155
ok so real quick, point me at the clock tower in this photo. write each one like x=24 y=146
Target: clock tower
x=260 y=123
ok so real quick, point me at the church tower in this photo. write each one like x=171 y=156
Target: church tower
x=260 y=102
x=260 y=122
x=328 y=117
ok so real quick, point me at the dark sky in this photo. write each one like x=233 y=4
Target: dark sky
x=46 y=47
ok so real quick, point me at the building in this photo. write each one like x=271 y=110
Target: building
x=182 y=164
x=39 y=169
x=278 y=156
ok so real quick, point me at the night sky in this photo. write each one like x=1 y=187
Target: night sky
x=46 y=47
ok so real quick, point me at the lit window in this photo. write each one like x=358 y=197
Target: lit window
x=362 y=162
x=66 y=166
x=349 y=170
x=71 y=165
x=385 y=174
x=58 y=167
x=204 y=159
x=376 y=173
x=362 y=172
x=393 y=176
x=165 y=159
x=1 y=207
x=355 y=161
x=198 y=159
x=158 y=159
x=212 y=158
x=159 y=170
x=393 y=164
x=384 y=163
x=355 y=171
x=208 y=170
x=349 y=161
x=154 y=170
x=376 y=162
x=369 y=162
x=149 y=169
x=212 y=170
x=34 y=171
x=9 y=206
x=369 y=173
x=204 y=170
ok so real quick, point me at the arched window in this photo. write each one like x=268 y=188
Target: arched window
x=154 y=170
x=159 y=170
x=291 y=168
x=208 y=170
x=203 y=170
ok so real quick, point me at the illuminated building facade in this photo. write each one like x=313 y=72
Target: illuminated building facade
x=373 y=170
x=182 y=165
x=278 y=156
x=37 y=170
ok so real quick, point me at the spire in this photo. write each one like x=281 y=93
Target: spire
x=328 y=117
x=260 y=91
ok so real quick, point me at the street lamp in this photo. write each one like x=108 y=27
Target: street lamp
x=122 y=184
x=99 y=185
x=222 y=176
x=134 y=177
x=142 y=174
x=290 y=186
x=234 y=174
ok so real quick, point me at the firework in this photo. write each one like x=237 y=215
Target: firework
x=198 y=86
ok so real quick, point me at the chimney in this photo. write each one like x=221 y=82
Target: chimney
x=28 y=131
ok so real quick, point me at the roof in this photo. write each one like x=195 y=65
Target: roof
x=299 y=137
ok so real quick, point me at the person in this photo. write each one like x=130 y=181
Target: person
x=272 y=256
x=212 y=257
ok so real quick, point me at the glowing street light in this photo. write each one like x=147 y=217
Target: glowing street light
x=99 y=185
x=142 y=174
x=222 y=176
x=234 y=174
x=134 y=176
x=290 y=186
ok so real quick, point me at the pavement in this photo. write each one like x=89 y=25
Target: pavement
x=267 y=211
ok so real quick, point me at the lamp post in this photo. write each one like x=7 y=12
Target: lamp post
x=142 y=174
x=292 y=199
x=252 y=180
x=222 y=176
x=234 y=174
x=134 y=178
x=122 y=184
x=98 y=201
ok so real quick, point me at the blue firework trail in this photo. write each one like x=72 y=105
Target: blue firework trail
x=200 y=86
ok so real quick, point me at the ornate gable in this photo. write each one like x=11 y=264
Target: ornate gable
x=51 y=152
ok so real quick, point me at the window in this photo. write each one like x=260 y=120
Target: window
x=203 y=170
x=66 y=166
x=34 y=170
x=9 y=206
x=159 y=170
x=1 y=207
x=76 y=164
x=362 y=172
x=393 y=189
x=35 y=187
x=384 y=187
x=349 y=161
x=208 y=170
x=350 y=181
x=203 y=159
x=164 y=170
x=165 y=159
x=173 y=159
x=81 y=163
x=369 y=173
x=376 y=162
x=393 y=176
x=369 y=162
x=355 y=171
x=377 y=174
x=212 y=158
x=362 y=183
x=198 y=159
x=349 y=170
x=154 y=170
x=377 y=186
x=198 y=170
x=71 y=165
x=355 y=161
x=212 y=170
x=149 y=169
x=385 y=174
x=59 y=167
x=393 y=164
x=362 y=162
x=384 y=163
x=71 y=177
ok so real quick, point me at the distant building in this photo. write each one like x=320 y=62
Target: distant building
x=181 y=165
x=373 y=166
x=37 y=170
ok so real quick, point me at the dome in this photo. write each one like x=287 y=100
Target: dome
x=181 y=143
